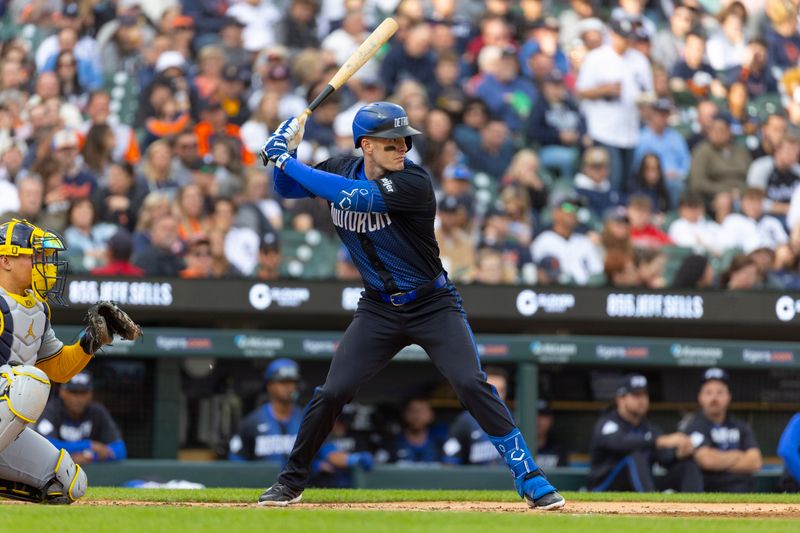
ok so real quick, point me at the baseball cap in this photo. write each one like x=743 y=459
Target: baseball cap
x=270 y=242
x=182 y=21
x=551 y=266
x=663 y=104
x=70 y=10
x=566 y=199
x=66 y=138
x=543 y=407
x=170 y=59
x=715 y=373
x=451 y=204
x=617 y=214
x=590 y=24
x=623 y=27
x=80 y=382
x=632 y=383
x=457 y=172
x=282 y=370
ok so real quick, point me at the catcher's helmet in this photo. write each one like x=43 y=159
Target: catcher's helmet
x=382 y=119
x=49 y=274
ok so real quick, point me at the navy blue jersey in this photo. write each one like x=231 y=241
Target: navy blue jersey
x=263 y=437
x=394 y=251
x=614 y=438
x=468 y=444
x=429 y=451
x=732 y=434
x=76 y=435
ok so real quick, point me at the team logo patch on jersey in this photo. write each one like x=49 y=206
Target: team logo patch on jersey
x=387 y=185
x=609 y=428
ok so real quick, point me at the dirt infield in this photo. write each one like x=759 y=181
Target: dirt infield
x=673 y=509
x=700 y=510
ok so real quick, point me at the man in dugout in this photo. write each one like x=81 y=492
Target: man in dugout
x=625 y=446
x=725 y=447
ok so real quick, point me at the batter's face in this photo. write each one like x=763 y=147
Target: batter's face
x=388 y=154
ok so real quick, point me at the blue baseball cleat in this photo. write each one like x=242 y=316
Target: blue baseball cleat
x=529 y=480
x=538 y=492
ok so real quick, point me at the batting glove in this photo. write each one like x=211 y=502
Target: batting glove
x=277 y=145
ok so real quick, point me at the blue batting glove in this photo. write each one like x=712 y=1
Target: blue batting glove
x=360 y=459
x=276 y=146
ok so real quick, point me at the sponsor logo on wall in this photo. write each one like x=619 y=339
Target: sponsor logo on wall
x=262 y=296
x=608 y=352
x=320 y=346
x=123 y=292
x=691 y=355
x=760 y=356
x=675 y=306
x=252 y=345
x=170 y=343
x=554 y=352
x=530 y=302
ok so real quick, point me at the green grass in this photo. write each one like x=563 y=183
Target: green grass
x=232 y=520
x=196 y=519
x=373 y=495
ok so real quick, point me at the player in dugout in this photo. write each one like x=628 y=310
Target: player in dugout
x=625 y=446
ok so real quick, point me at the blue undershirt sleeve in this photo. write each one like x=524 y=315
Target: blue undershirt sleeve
x=119 y=449
x=72 y=447
x=285 y=186
x=789 y=447
x=345 y=194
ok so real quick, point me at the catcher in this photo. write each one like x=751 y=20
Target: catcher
x=31 y=277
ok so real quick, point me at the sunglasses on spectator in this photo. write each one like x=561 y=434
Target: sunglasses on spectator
x=66 y=63
x=569 y=207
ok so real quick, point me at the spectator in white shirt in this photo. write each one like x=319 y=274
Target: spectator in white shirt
x=692 y=230
x=751 y=229
x=259 y=17
x=777 y=175
x=727 y=47
x=575 y=252
x=611 y=82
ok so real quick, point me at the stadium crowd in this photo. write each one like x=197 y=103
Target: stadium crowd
x=629 y=143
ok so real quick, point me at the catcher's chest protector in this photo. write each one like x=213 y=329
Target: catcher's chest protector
x=22 y=328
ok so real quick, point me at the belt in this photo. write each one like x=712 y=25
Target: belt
x=401 y=298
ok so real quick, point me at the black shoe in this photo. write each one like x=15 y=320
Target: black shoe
x=280 y=495
x=554 y=500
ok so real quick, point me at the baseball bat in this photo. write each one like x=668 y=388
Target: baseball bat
x=368 y=48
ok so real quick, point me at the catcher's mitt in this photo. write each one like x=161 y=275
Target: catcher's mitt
x=105 y=319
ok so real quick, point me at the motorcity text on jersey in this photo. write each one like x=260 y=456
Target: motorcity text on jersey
x=359 y=222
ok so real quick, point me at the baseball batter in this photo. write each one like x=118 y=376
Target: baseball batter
x=32 y=276
x=383 y=207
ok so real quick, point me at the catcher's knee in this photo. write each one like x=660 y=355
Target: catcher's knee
x=23 y=395
x=70 y=482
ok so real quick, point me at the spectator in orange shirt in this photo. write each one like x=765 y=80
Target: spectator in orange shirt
x=213 y=124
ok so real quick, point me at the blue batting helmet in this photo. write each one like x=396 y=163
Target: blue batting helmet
x=282 y=370
x=382 y=119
